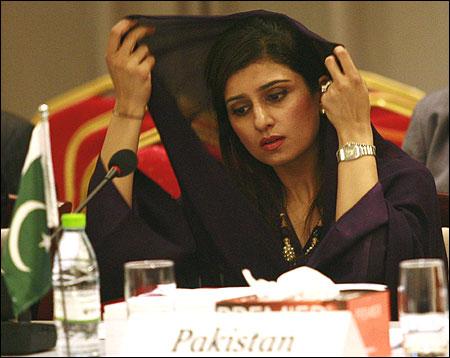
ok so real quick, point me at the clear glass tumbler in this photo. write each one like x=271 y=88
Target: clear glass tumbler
x=423 y=307
x=149 y=287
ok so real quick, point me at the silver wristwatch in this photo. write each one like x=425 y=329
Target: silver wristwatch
x=352 y=150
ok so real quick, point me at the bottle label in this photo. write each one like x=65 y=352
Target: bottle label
x=82 y=306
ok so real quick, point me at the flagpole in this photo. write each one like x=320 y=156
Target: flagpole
x=52 y=207
x=49 y=177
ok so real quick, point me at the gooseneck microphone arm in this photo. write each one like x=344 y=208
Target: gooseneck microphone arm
x=112 y=173
x=122 y=163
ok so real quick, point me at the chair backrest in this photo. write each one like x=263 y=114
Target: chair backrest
x=392 y=104
x=78 y=122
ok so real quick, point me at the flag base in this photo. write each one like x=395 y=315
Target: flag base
x=27 y=337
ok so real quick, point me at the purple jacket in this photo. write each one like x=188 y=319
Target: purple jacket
x=213 y=231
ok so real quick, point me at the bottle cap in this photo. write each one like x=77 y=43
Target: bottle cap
x=73 y=221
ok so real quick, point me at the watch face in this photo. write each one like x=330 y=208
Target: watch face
x=350 y=151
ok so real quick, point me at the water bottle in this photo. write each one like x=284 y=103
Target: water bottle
x=76 y=285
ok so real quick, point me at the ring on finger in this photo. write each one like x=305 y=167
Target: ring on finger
x=324 y=87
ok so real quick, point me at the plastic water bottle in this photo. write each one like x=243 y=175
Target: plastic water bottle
x=78 y=280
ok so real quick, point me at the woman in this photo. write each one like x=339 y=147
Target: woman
x=282 y=200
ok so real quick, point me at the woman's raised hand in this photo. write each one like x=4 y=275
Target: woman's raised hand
x=346 y=100
x=130 y=67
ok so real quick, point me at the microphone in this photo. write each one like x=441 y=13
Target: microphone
x=121 y=164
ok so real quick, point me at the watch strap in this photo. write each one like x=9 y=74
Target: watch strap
x=353 y=150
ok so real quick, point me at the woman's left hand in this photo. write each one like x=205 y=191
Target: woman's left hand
x=346 y=101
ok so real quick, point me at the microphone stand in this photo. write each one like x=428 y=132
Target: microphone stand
x=112 y=173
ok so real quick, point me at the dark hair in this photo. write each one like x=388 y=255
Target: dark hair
x=273 y=37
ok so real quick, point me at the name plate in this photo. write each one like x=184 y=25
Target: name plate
x=332 y=333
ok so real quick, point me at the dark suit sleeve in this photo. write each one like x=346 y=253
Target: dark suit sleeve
x=154 y=227
x=397 y=219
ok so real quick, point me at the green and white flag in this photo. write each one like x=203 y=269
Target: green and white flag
x=26 y=263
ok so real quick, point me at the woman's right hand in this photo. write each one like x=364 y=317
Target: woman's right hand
x=130 y=67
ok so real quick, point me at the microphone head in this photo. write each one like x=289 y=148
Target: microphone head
x=125 y=161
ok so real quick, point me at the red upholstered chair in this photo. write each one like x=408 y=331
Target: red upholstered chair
x=78 y=123
x=392 y=105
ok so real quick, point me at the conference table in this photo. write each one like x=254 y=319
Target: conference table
x=200 y=306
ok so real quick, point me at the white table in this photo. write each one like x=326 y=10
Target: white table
x=205 y=301
x=394 y=331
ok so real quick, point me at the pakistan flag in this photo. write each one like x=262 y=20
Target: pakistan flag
x=26 y=266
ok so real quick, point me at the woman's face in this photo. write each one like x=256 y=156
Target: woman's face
x=272 y=112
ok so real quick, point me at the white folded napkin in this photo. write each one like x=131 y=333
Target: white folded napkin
x=301 y=283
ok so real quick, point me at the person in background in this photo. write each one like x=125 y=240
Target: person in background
x=305 y=178
x=16 y=133
x=427 y=137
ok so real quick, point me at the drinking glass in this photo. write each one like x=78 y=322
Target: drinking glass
x=149 y=287
x=423 y=307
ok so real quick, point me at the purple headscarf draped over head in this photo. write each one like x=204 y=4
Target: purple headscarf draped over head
x=181 y=45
